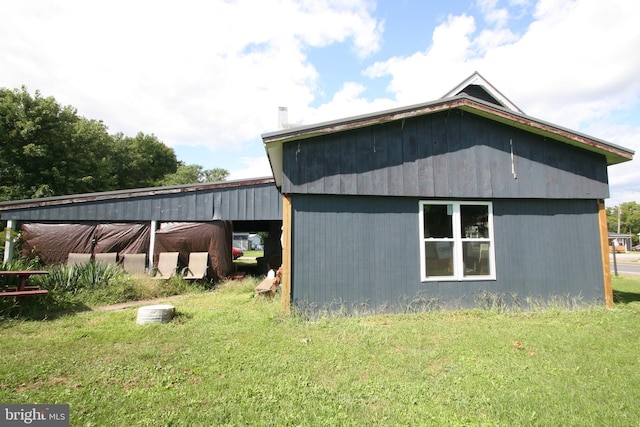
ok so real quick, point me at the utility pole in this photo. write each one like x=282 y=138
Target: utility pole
x=619 y=213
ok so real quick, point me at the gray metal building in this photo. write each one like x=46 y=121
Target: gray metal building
x=448 y=202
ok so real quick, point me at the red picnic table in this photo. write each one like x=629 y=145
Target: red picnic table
x=22 y=289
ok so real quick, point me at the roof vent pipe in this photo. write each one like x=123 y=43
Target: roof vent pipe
x=283 y=118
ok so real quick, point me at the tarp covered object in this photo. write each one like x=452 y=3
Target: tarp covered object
x=213 y=237
x=122 y=238
x=52 y=243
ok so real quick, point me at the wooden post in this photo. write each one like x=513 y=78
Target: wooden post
x=285 y=285
x=604 y=248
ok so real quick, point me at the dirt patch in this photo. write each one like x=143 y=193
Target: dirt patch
x=124 y=305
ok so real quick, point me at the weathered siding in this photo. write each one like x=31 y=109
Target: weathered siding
x=256 y=203
x=249 y=203
x=548 y=247
x=363 y=253
x=448 y=154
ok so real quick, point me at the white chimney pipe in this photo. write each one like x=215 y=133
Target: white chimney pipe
x=283 y=117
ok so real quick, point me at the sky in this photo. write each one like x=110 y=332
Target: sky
x=207 y=76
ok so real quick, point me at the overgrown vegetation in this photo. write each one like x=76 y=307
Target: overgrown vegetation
x=230 y=359
x=89 y=285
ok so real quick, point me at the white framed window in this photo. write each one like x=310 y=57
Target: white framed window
x=456 y=241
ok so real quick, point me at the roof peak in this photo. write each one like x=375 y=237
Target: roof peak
x=478 y=87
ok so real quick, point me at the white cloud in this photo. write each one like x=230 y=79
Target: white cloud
x=426 y=75
x=492 y=13
x=575 y=62
x=195 y=73
x=252 y=167
x=346 y=102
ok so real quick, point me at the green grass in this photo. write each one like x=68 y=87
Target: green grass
x=230 y=359
x=253 y=254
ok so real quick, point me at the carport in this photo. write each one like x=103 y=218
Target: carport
x=250 y=205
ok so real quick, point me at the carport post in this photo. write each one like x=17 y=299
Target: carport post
x=152 y=243
x=8 y=241
x=604 y=249
x=285 y=284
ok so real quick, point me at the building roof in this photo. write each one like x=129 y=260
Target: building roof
x=488 y=102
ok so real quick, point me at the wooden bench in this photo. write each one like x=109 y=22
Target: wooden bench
x=22 y=289
x=23 y=293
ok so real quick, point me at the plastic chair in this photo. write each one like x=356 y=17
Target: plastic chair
x=106 y=258
x=135 y=264
x=167 y=265
x=198 y=264
x=74 y=259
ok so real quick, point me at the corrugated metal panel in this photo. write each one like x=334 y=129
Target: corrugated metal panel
x=238 y=202
x=449 y=154
x=359 y=252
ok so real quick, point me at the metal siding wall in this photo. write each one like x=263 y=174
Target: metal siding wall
x=440 y=155
x=364 y=141
x=260 y=202
x=451 y=154
x=425 y=159
x=362 y=252
x=348 y=165
x=409 y=159
x=353 y=252
x=249 y=204
x=548 y=247
x=332 y=167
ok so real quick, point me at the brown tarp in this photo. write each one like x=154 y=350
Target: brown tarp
x=53 y=242
x=213 y=237
x=122 y=238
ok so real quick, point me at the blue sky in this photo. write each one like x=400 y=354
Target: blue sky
x=207 y=77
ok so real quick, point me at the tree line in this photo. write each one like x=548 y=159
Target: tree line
x=48 y=150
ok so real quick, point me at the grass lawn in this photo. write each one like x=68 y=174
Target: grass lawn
x=230 y=359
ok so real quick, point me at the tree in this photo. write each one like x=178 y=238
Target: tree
x=628 y=214
x=186 y=174
x=215 y=175
x=142 y=161
x=191 y=174
x=47 y=150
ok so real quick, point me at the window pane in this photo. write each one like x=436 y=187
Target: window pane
x=439 y=258
x=476 y=258
x=474 y=220
x=438 y=221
